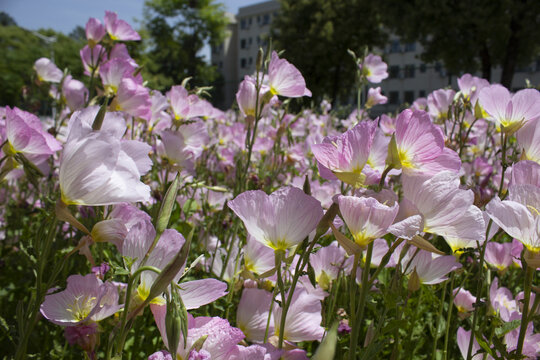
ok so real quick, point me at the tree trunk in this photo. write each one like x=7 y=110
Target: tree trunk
x=335 y=85
x=486 y=62
x=510 y=57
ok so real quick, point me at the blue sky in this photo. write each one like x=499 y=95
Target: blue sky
x=65 y=15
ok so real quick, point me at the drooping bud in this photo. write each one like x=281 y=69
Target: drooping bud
x=414 y=281
x=392 y=159
x=259 y=62
x=176 y=321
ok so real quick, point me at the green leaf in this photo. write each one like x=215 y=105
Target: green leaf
x=507 y=327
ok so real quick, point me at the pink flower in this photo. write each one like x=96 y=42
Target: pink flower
x=510 y=111
x=387 y=124
x=344 y=156
x=25 y=134
x=444 y=207
x=519 y=215
x=285 y=79
x=463 y=340
x=119 y=29
x=94 y=31
x=531 y=343
x=420 y=145
x=252 y=314
x=470 y=86
x=84 y=335
x=75 y=93
x=86 y=298
x=185 y=145
x=92 y=58
x=115 y=228
x=366 y=218
x=134 y=99
x=439 y=102
x=430 y=268
x=327 y=262
x=186 y=106
x=464 y=301
x=221 y=337
x=375 y=97
x=526 y=172
x=246 y=97
x=139 y=239
x=47 y=71
x=303 y=320
x=502 y=301
x=376 y=162
x=98 y=168
x=499 y=255
x=258 y=258
x=280 y=220
x=374 y=69
x=113 y=71
x=528 y=139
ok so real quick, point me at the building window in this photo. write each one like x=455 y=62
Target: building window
x=220 y=65
x=243 y=44
x=243 y=24
x=249 y=22
x=393 y=97
x=394 y=72
x=250 y=61
x=408 y=96
x=422 y=93
x=408 y=71
x=423 y=68
x=258 y=40
x=410 y=46
x=395 y=47
x=266 y=19
x=243 y=63
x=258 y=19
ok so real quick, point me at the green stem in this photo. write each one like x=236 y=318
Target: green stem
x=352 y=303
x=529 y=273
x=439 y=320
x=122 y=324
x=504 y=165
x=383 y=176
x=361 y=304
x=478 y=290
x=279 y=254
x=31 y=316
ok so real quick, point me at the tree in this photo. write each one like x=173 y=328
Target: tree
x=6 y=20
x=20 y=48
x=316 y=34
x=469 y=35
x=177 y=30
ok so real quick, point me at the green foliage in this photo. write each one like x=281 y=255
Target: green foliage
x=20 y=48
x=176 y=31
x=328 y=29
x=469 y=36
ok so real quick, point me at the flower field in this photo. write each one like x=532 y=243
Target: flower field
x=142 y=225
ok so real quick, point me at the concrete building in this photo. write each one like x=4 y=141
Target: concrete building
x=236 y=57
x=409 y=78
x=225 y=58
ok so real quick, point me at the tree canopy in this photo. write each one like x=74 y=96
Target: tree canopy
x=176 y=32
x=20 y=48
x=316 y=34
x=469 y=35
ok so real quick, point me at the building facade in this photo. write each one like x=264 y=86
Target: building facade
x=409 y=77
x=249 y=30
